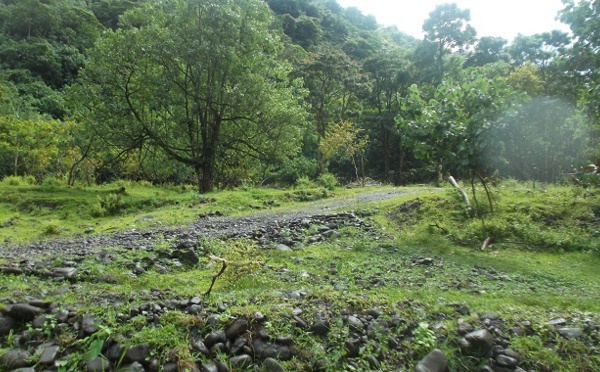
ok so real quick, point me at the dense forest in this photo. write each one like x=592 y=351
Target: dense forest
x=220 y=93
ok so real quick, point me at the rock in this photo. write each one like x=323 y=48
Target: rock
x=170 y=367
x=222 y=367
x=271 y=365
x=464 y=328
x=490 y=316
x=506 y=361
x=557 y=322
x=570 y=333
x=189 y=257
x=133 y=367
x=238 y=346
x=320 y=326
x=480 y=340
x=15 y=358
x=137 y=353
x=209 y=367
x=7 y=324
x=65 y=272
x=215 y=337
x=241 y=361
x=283 y=248
x=49 y=354
x=263 y=350
x=24 y=312
x=352 y=347
x=115 y=352
x=98 y=364
x=198 y=345
x=237 y=328
x=375 y=313
x=11 y=270
x=88 y=325
x=355 y=324
x=435 y=361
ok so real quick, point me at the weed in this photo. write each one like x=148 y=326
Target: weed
x=424 y=339
x=52 y=228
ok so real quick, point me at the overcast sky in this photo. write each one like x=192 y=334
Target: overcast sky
x=505 y=18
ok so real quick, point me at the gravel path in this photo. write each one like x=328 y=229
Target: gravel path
x=205 y=227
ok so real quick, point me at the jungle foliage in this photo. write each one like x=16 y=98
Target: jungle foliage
x=227 y=93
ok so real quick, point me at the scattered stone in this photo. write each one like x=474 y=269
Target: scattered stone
x=283 y=248
x=214 y=338
x=480 y=341
x=7 y=324
x=557 y=322
x=15 y=358
x=237 y=328
x=435 y=361
x=65 y=272
x=210 y=367
x=11 y=270
x=49 y=354
x=133 y=367
x=271 y=365
x=88 y=325
x=189 y=257
x=355 y=324
x=506 y=361
x=570 y=333
x=241 y=361
x=137 y=353
x=98 y=364
x=24 y=312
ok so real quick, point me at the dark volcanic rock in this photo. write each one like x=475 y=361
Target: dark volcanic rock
x=241 y=361
x=480 y=341
x=137 y=353
x=15 y=358
x=435 y=361
x=272 y=365
x=24 y=312
x=7 y=324
x=49 y=354
x=98 y=364
x=237 y=328
x=570 y=333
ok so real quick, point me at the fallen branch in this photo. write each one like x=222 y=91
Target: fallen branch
x=214 y=278
x=226 y=263
x=464 y=194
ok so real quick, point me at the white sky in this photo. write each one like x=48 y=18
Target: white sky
x=505 y=18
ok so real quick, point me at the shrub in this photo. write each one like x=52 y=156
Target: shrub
x=328 y=181
x=12 y=180
x=109 y=205
x=304 y=183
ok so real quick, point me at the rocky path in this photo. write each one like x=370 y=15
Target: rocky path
x=266 y=223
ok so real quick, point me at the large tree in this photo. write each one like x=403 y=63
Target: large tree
x=448 y=28
x=200 y=80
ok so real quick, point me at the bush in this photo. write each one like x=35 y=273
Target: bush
x=328 y=181
x=304 y=183
x=108 y=205
x=18 y=180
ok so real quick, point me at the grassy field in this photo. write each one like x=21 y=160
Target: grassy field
x=418 y=270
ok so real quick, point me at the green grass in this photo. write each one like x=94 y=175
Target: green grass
x=534 y=277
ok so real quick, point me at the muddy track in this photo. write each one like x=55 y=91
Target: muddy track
x=213 y=226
